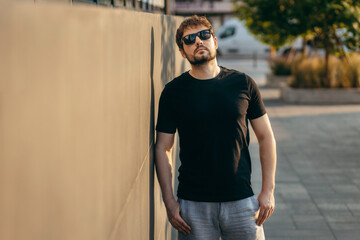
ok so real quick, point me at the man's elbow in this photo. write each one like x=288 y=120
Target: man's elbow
x=160 y=148
x=268 y=138
x=163 y=153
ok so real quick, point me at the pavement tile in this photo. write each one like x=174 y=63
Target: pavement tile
x=299 y=234
x=353 y=206
x=319 y=189
x=347 y=234
x=342 y=219
x=318 y=196
x=298 y=238
x=355 y=213
x=279 y=225
x=298 y=208
x=338 y=178
x=303 y=222
x=346 y=188
x=337 y=199
x=356 y=181
x=280 y=221
x=324 y=171
x=332 y=206
x=344 y=226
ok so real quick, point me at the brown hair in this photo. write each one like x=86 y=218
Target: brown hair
x=192 y=21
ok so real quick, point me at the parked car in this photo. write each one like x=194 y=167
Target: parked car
x=297 y=44
x=234 y=38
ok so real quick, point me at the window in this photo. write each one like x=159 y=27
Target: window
x=229 y=31
x=155 y=6
x=104 y=2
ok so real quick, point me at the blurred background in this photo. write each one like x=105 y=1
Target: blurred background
x=79 y=88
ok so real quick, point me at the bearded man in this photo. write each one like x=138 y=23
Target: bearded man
x=211 y=107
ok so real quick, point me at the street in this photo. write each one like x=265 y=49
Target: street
x=317 y=181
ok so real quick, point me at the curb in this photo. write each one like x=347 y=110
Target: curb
x=320 y=96
x=275 y=81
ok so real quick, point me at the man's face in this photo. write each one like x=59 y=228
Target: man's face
x=201 y=51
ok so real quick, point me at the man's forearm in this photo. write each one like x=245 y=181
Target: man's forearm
x=164 y=173
x=268 y=163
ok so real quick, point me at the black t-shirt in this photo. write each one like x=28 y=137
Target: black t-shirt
x=212 y=121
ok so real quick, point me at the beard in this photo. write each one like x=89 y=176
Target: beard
x=201 y=59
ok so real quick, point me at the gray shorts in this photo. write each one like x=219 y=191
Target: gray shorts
x=228 y=220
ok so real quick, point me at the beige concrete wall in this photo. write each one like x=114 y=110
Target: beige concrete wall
x=79 y=90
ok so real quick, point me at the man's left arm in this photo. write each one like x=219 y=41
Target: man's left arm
x=267 y=149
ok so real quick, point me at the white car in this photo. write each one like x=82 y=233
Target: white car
x=234 y=38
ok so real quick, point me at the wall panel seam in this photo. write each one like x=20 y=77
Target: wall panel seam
x=122 y=212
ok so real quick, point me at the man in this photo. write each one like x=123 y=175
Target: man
x=210 y=107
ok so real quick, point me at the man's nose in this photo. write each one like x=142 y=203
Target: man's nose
x=198 y=41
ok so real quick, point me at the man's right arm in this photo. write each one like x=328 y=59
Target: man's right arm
x=163 y=149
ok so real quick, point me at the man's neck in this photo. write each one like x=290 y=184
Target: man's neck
x=205 y=71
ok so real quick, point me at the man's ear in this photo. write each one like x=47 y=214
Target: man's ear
x=182 y=52
x=215 y=43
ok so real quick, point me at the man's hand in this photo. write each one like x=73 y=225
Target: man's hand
x=173 y=213
x=267 y=206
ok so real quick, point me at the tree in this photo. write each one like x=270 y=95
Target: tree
x=334 y=23
x=274 y=22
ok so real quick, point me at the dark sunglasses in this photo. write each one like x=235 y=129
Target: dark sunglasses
x=191 y=38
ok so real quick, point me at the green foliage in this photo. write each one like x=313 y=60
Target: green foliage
x=265 y=20
x=276 y=22
x=280 y=66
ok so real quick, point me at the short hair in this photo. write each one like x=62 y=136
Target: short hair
x=192 y=21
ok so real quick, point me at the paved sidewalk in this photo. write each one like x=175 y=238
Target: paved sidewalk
x=318 y=171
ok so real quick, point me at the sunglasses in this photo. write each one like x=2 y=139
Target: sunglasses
x=191 y=38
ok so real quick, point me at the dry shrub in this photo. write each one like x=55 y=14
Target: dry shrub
x=349 y=72
x=310 y=72
x=280 y=66
x=334 y=64
x=307 y=73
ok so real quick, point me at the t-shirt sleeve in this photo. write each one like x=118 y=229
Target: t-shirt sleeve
x=166 y=120
x=256 y=106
